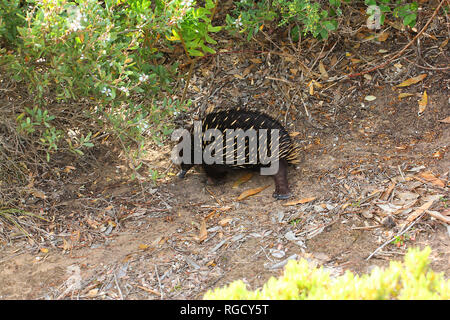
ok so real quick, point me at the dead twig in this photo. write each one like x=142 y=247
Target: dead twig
x=159 y=283
x=396 y=236
x=368 y=227
x=428 y=68
x=118 y=287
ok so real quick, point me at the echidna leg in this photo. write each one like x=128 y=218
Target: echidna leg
x=215 y=174
x=184 y=169
x=282 y=191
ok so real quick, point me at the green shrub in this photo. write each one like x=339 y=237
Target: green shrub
x=11 y=17
x=103 y=58
x=308 y=16
x=377 y=10
x=411 y=279
x=318 y=18
x=193 y=26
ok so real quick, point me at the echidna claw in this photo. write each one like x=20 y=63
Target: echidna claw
x=181 y=174
x=282 y=196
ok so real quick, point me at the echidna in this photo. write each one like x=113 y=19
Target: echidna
x=241 y=139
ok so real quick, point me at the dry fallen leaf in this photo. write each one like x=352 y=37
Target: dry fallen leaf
x=66 y=245
x=251 y=192
x=419 y=211
x=226 y=208
x=92 y=293
x=299 y=201
x=428 y=176
x=242 y=180
x=203 y=233
x=388 y=191
x=383 y=36
x=413 y=80
x=404 y=95
x=92 y=223
x=67 y=169
x=256 y=60
x=446 y=212
x=446 y=120
x=323 y=72
x=149 y=290
x=438 y=154
x=370 y=98
x=211 y=263
x=143 y=246
x=311 y=88
x=225 y=221
x=38 y=194
x=248 y=70
x=423 y=102
x=439 y=216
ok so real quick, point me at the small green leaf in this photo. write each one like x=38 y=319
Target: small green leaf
x=207 y=49
x=324 y=34
x=330 y=25
x=410 y=20
x=385 y=8
x=209 y=4
x=195 y=53
x=210 y=40
x=295 y=34
x=214 y=29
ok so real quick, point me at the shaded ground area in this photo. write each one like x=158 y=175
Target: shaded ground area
x=370 y=169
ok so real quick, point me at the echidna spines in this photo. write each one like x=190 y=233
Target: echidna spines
x=245 y=119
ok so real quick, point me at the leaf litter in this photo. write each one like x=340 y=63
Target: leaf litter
x=364 y=166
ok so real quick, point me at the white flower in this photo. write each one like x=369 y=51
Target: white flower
x=238 y=22
x=187 y=3
x=125 y=90
x=75 y=19
x=107 y=91
x=143 y=77
x=144 y=125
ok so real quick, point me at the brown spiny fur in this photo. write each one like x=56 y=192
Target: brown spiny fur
x=247 y=119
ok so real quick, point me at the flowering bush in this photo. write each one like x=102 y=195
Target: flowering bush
x=108 y=55
x=411 y=279
x=317 y=18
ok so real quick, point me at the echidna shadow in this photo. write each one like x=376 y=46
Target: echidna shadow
x=246 y=120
